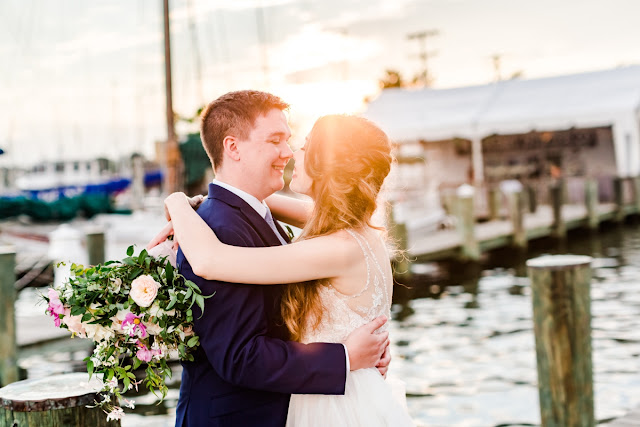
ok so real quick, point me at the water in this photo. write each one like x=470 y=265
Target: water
x=462 y=338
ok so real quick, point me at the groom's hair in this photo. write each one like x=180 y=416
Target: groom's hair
x=233 y=113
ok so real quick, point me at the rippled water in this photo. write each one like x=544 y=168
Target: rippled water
x=462 y=338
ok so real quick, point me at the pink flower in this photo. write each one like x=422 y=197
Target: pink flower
x=145 y=354
x=144 y=290
x=55 y=307
x=74 y=323
x=132 y=324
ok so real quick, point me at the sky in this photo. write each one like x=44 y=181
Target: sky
x=85 y=78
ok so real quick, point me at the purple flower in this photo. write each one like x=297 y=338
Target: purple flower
x=132 y=324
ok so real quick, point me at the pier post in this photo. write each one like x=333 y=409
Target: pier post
x=466 y=222
x=495 y=199
x=137 y=182
x=556 y=190
x=58 y=400
x=95 y=246
x=399 y=236
x=8 y=346
x=636 y=193
x=516 y=213
x=591 y=200
x=560 y=289
x=532 y=198
x=618 y=191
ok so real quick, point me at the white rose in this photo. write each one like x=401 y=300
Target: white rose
x=98 y=332
x=152 y=328
x=144 y=290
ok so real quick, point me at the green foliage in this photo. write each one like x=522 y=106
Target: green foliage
x=102 y=308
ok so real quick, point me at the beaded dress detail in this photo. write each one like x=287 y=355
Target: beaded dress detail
x=344 y=313
x=369 y=400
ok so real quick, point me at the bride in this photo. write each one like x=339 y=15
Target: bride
x=338 y=268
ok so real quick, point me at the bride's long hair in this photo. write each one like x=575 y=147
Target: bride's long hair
x=347 y=159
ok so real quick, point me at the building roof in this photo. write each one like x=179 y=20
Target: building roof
x=600 y=98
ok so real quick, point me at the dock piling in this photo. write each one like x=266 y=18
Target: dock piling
x=95 y=246
x=466 y=222
x=636 y=193
x=59 y=400
x=560 y=289
x=516 y=213
x=556 y=191
x=495 y=199
x=618 y=191
x=591 y=200
x=8 y=346
x=399 y=235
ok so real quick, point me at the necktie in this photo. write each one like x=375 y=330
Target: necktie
x=272 y=224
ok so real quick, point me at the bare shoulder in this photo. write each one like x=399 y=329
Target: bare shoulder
x=342 y=246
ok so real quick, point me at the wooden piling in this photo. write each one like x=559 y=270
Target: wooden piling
x=495 y=199
x=96 y=246
x=636 y=193
x=618 y=192
x=8 y=346
x=56 y=401
x=516 y=213
x=466 y=223
x=591 y=201
x=556 y=191
x=560 y=287
x=399 y=235
x=532 y=198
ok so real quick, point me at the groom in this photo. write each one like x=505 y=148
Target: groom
x=245 y=368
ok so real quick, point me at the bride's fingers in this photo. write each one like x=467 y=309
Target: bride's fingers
x=166 y=231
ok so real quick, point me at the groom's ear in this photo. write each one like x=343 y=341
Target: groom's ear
x=231 y=148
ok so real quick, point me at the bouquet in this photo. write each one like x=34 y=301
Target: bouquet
x=137 y=311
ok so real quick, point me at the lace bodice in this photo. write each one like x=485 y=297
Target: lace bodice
x=344 y=313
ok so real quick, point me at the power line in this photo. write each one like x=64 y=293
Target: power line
x=424 y=55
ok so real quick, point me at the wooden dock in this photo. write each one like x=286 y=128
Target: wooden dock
x=515 y=217
x=632 y=419
x=498 y=233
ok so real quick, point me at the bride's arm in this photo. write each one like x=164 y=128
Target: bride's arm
x=290 y=210
x=320 y=257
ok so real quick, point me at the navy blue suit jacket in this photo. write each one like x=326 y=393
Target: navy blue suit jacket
x=245 y=369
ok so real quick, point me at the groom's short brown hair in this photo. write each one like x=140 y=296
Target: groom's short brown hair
x=233 y=113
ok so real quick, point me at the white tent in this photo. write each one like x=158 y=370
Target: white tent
x=602 y=98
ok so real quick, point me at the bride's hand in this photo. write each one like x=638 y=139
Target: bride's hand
x=166 y=231
x=384 y=362
x=364 y=347
x=178 y=197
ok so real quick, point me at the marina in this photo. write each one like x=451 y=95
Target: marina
x=462 y=337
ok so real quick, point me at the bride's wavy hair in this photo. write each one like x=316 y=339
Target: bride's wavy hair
x=347 y=159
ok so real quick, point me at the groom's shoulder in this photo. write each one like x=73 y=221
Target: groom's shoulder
x=228 y=222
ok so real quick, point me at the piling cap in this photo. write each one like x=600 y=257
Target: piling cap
x=43 y=394
x=465 y=190
x=7 y=249
x=558 y=262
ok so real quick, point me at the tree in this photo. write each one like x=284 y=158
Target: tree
x=391 y=79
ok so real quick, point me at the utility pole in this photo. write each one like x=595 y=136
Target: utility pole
x=262 y=38
x=496 y=66
x=173 y=178
x=424 y=55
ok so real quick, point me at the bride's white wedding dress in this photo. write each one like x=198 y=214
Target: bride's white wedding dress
x=368 y=400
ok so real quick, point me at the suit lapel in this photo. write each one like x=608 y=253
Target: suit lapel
x=259 y=224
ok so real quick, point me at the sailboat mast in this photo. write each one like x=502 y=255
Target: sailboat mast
x=173 y=178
